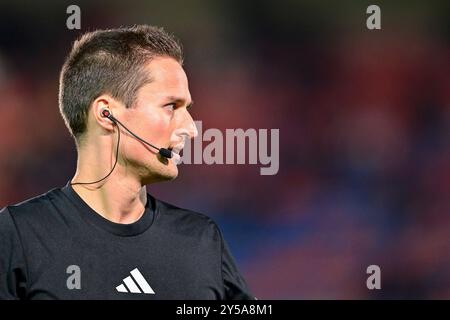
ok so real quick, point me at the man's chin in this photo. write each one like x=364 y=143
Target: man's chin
x=171 y=175
x=164 y=174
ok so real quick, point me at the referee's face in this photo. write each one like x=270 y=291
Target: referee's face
x=160 y=116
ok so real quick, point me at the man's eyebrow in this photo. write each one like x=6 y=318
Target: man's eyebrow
x=180 y=101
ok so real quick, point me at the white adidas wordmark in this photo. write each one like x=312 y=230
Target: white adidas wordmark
x=130 y=284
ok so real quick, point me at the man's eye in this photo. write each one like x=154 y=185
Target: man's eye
x=170 y=107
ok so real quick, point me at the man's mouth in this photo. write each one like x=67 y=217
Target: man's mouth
x=177 y=148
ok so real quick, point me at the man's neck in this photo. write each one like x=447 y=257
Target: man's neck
x=121 y=198
x=118 y=201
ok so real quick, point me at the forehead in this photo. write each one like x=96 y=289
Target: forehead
x=168 y=79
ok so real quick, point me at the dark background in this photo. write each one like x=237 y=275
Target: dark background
x=364 y=123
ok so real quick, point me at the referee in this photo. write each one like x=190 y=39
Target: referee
x=124 y=97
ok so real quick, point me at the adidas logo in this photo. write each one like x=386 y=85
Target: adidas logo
x=129 y=284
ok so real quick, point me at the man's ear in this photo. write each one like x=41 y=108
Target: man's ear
x=103 y=102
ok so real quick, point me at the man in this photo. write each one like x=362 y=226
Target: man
x=124 y=97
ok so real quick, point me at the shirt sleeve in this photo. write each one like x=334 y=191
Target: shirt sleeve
x=234 y=283
x=12 y=262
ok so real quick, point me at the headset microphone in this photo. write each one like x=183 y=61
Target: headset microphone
x=166 y=153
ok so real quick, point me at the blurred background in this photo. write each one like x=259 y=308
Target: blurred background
x=364 y=124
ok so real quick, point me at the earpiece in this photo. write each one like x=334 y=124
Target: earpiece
x=105 y=113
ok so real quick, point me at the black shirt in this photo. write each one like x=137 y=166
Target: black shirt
x=55 y=246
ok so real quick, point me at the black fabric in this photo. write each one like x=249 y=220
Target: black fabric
x=180 y=254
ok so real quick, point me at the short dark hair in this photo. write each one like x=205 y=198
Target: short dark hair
x=110 y=62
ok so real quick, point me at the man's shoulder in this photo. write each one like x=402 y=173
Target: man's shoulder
x=183 y=213
x=186 y=218
x=31 y=206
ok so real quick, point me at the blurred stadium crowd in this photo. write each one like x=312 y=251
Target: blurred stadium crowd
x=364 y=124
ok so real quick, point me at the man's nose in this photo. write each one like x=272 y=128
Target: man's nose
x=189 y=125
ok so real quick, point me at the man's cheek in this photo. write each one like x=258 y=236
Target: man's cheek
x=160 y=131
